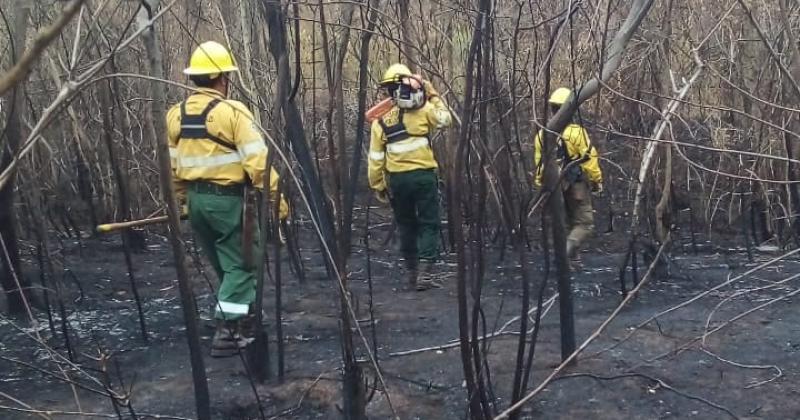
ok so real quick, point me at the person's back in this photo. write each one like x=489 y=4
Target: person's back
x=213 y=139
x=576 y=154
x=573 y=144
x=404 y=135
x=218 y=152
x=402 y=166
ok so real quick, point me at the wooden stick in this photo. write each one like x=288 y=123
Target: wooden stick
x=110 y=227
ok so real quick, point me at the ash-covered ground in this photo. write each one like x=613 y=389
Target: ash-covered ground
x=746 y=369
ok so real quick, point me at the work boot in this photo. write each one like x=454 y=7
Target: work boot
x=247 y=327
x=411 y=272
x=426 y=279
x=575 y=264
x=227 y=340
x=572 y=248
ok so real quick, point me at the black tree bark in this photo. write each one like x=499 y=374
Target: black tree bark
x=10 y=273
x=354 y=393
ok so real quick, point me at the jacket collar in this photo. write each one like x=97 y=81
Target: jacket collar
x=208 y=92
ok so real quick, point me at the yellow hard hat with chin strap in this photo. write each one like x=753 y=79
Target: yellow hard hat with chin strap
x=560 y=96
x=404 y=87
x=210 y=58
x=395 y=73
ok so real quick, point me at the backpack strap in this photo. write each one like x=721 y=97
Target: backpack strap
x=396 y=132
x=193 y=127
x=565 y=154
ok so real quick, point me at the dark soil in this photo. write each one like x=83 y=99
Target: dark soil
x=750 y=369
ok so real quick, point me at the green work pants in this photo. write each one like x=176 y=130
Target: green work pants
x=580 y=215
x=217 y=223
x=415 y=201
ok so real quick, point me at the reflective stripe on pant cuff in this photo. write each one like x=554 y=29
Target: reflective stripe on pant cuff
x=233 y=308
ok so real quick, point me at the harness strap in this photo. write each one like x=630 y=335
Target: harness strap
x=194 y=126
x=396 y=132
x=566 y=159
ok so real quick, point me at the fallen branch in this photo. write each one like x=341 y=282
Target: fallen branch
x=702 y=337
x=41 y=413
x=299 y=404
x=501 y=331
x=742 y=293
x=10 y=398
x=660 y=383
x=569 y=359
x=746 y=366
x=694 y=299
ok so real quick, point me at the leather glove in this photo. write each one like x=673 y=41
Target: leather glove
x=597 y=187
x=382 y=196
x=413 y=81
x=283 y=208
x=430 y=91
x=184 y=209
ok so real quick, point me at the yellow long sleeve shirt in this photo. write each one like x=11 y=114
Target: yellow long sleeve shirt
x=576 y=141
x=406 y=146
x=196 y=159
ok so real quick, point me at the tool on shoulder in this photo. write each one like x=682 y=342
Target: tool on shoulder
x=378 y=110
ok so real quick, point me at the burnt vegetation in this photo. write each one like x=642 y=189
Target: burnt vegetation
x=681 y=306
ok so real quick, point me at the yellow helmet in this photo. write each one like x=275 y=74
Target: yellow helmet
x=560 y=96
x=395 y=73
x=211 y=58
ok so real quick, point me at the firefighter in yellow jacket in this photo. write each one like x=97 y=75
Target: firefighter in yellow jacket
x=581 y=178
x=402 y=168
x=217 y=152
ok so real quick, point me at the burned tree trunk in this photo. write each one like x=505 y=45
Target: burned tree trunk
x=354 y=393
x=663 y=210
x=355 y=162
x=477 y=402
x=124 y=201
x=15 y=284
x=407 y=46
x=647 y=159
x=663 y=207
x=792 y=147
x=156 y=129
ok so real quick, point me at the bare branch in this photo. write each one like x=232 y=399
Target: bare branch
x=21 y=69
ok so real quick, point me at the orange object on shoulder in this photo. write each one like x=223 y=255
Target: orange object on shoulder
x=378 y=110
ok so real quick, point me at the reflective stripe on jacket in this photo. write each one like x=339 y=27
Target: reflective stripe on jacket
x=576 y=142
x=224 y=147
x=407 y=146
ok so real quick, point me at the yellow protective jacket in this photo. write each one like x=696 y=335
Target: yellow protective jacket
x=575 y=143
x=233 y=153
x=400 y=140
